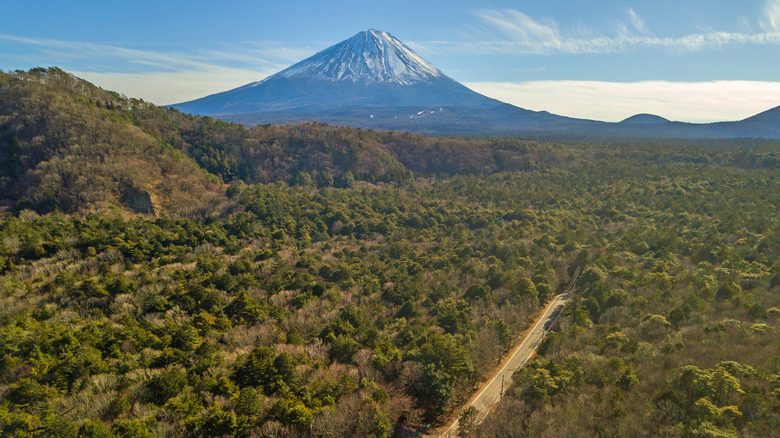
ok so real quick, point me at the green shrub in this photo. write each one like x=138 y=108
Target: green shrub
x=163 y=386
x=131 y=429
x=94 y=429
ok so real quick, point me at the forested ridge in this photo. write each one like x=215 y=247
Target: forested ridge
x=68 y=144
x=310 y=280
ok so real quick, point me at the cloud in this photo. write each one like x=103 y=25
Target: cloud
x=260 y=52
x=771 y=19
x=614 y=101
x=72 y=49
x=165 y=88
x=159 y=77
x=601 y=44
x=637 y=21
x=520 y=27
x=520 y=34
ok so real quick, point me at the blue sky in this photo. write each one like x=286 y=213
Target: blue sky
x=697 y=60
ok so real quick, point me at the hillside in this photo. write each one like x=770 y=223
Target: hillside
x=68 y=145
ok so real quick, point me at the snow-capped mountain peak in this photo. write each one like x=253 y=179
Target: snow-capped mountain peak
x=372 y=69
x=369 y=56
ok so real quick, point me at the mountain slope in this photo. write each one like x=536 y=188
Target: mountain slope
x=770 y=117
x=371 y=69
x=68 y=145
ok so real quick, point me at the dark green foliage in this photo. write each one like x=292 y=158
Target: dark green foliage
x=161 y=387
x=467 y=421
x=434 y=390
x=292 y=412
x=94 y=429
x=184 y=337
x=265 y=369
x=524 y=288
x=220 y=422
x=249 y=403
x=504 y=333
x=373 y=422
x=550 y=343
x=29 y=394
x=477 y=292
x=119 y=405
x=61 y=427
x=454 y=316
x=343 y=348
x=130 y=429
x=256 y=368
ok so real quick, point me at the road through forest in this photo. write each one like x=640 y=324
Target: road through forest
x=491 y=393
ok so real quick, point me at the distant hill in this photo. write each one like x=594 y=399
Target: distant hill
x=645 y=119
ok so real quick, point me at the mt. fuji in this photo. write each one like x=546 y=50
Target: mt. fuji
x=373 y=80
x=372 y=69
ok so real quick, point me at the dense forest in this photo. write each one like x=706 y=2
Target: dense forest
x=169 y=275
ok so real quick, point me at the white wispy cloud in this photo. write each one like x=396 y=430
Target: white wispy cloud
x=74 y=49
x=272 y=56
x=163 y=77
x=261 y=52
x=520 y=27
x=636 y=21
x=771 y=19
x=615 y=101
x=509 y=31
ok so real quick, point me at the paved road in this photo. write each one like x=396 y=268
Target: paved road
x=490 y=393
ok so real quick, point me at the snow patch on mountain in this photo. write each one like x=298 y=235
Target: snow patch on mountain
x=370 y=56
